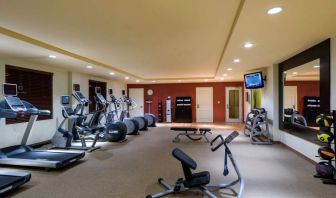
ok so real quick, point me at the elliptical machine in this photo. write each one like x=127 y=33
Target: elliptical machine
x=132 y=126
x=293 y=117
x=63 y=138
x=107 y=132
x=150 y=117
x=129 y=104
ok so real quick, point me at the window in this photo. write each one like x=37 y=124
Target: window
x=34 y=86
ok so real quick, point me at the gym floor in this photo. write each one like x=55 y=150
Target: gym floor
x=131 y=169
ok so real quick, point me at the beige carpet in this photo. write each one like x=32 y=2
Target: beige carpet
x=131 y=170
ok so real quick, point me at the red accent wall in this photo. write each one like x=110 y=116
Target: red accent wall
x=304 y=88
x=162 y=91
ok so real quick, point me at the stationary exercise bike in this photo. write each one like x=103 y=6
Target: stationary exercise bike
x=201 y=180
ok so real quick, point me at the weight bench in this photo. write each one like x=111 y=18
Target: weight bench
x=192 y=133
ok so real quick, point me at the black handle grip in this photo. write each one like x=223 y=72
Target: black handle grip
x=219 y=145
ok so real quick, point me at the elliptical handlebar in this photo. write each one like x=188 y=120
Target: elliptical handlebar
x=231 y=137
x=131 y=104
x=219 y=145
x=225 y=141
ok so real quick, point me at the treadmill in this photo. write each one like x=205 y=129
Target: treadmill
x=10 y=180
x=24 y=155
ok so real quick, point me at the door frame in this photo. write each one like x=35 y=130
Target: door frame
x=212 y=92
x=142 y=106
x=296 y=97
x=92 y=86
x=240 y=119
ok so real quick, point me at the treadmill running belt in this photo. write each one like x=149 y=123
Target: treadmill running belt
x=7 y=180
x=48 y=156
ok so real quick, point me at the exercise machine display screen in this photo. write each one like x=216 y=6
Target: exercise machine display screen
x=80 y=95
x=9 y=89
x=65 y=100
x=254 y=80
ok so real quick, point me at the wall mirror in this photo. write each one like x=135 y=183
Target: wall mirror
x=304 y=90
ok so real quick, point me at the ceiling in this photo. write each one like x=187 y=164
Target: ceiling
x=165 y=41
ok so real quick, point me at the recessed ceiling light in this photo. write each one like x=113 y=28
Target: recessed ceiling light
x=316 y=66
x=237 y=60
x=229 y=69
x=137 y=81
x=112 y=73
x=52 y=56
x=274 y=10
x=153 y=81
x=89 y=67
x=224 y=74
x=295 y=73
x=126 y=78
x=285 y=72
x=248 y=45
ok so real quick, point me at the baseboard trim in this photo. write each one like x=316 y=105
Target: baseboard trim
x=298 y=153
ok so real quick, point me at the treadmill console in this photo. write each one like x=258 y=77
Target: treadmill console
x=10 y=93
x=67 y=110
x=15 y=103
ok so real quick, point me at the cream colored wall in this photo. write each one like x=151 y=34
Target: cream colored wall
x=83 y=80
x=43 y=130
x=62 y=85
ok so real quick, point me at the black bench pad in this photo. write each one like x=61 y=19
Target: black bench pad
x=198 y=179
x=205 y=129
x=183 y=129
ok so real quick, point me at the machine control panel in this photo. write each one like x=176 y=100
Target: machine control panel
x=101 y=98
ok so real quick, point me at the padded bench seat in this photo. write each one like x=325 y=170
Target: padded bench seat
x=183 y=129
x=205 y=129
x=192 y=179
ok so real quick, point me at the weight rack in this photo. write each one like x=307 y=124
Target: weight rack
x=333 y=130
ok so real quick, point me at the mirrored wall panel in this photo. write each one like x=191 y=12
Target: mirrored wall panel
x=301 y=95
x=304 y=90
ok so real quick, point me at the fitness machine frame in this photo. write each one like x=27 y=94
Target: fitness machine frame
x=206 y=189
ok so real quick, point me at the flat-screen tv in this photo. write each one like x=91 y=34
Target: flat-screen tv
x=254 y=80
